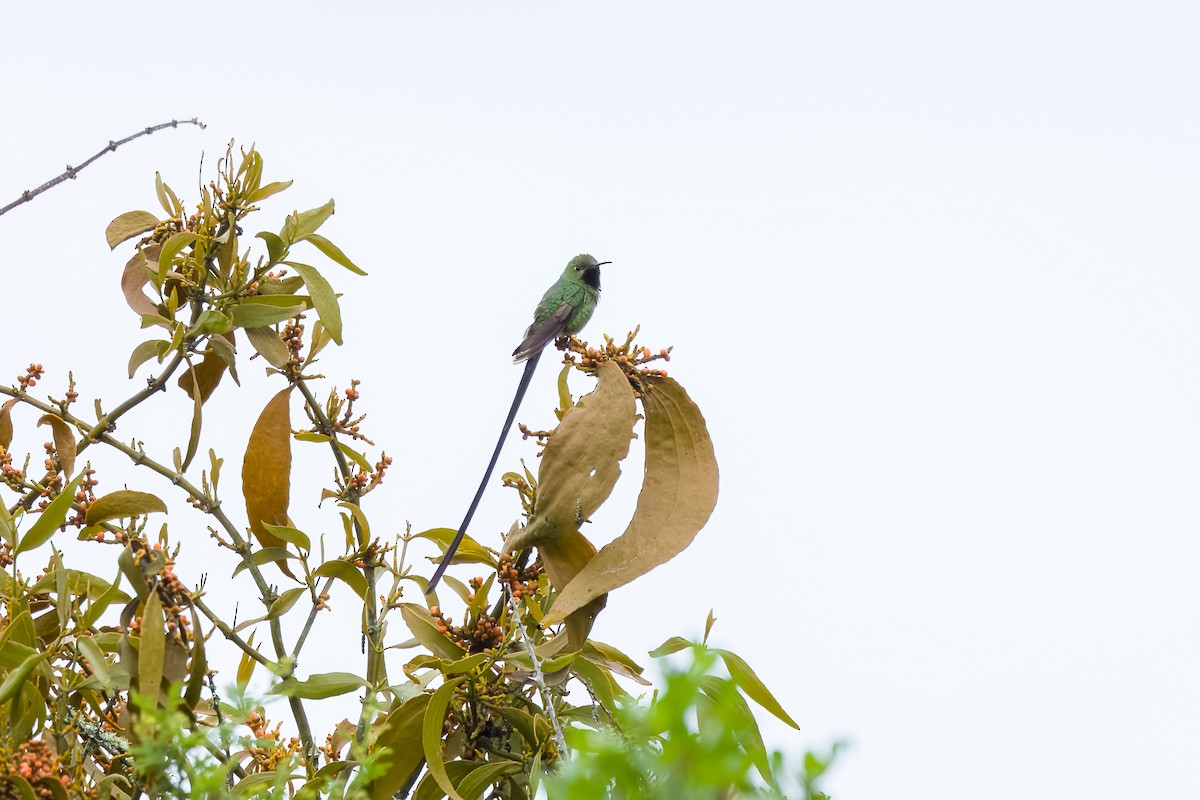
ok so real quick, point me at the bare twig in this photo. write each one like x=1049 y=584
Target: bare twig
x=71 y=172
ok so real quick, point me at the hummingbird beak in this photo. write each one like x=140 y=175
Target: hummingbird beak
x=602 y=263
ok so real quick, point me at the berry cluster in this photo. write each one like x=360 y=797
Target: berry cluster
x=522 y=582
x=33 y=374
x=482 y=637
x=34 y=762
x=266 y=749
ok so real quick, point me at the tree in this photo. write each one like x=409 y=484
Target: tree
x=107 y=687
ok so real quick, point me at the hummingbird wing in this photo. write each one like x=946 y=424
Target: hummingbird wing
x=543 y=333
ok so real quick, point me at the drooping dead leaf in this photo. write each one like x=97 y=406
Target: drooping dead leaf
x=136 y=275
x=582 y=461
x=578 y=472
x=129 y=225
x=267 y=471
x=678 y=494
x=64 y=441
x=6 y=426
x=207 y=374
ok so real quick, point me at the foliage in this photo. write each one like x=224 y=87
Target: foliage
x=696 y=740
x=108 y=682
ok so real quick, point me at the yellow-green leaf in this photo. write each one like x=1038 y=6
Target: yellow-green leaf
x=290 y=535
x=170 y=249
x=320 y=686
x=262 y=193
x=123 y=503
x=129 y=225
x=431 y=735
x=285 y=601
x=469 y=551
x=259 y=312
x=679 y=492
x=49 y=520
x=401 y=735
x=345 y=572
x=332 y=251
x=64 y=441
x=323 y=298
x=15 y=679
x=420 y=622
x=153 y=648
x=750 y=683
x=268 y=345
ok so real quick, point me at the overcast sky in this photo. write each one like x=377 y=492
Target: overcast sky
x=929 y=269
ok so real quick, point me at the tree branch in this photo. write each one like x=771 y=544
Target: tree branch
x=71 y=172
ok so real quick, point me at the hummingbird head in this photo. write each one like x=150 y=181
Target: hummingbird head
x=586 y=270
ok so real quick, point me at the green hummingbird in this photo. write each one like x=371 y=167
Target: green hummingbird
x=563 y=311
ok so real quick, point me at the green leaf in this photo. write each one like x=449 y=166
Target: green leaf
x=345 y=572
x=166 y=197
x=123 y=503
x=211 y=321
x=266 y=556
x=305 y=223
x=49 y=521
x=431 y=735
x=420 y=622
x=401 y=735
x=16 y=679
x=198 y=669
x=170 y=249
x=290 y=535
x=672 y=645
x=144 y=352
x=263 y=192
x=332 y=252
x=285 y=601
x=469 y=551
x=153 y=650
x=320 y=686
x=735 y=710
x=96 y=661
x=276 y=249
x=750 y=683
x=129 y=225
x=269 y=346
x=363 y=527
x=259 y=312
x=323 y=298
x=480 y=778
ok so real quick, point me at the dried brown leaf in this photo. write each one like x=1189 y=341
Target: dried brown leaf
x=64 y=441
x=267 y=471
x=678 y=495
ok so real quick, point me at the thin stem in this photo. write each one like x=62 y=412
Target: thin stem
x=71 y=172
x=232 y=636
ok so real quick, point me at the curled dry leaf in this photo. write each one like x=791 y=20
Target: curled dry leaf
x=64 y=441
x=678 y=495
x=6 y=426
x=267 y=472
x=579 y=469
x=137 y=275
x=129 y=225
x=207 y=373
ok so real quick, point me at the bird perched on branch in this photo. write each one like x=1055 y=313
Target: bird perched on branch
x=563 y=311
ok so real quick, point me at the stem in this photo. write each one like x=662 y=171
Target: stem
x=71 y=172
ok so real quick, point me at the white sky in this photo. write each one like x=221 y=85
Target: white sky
x=930 y=272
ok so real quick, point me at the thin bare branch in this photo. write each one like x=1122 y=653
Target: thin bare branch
x=71 y=172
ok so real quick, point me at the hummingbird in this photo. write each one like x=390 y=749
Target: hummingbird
x=563 y=311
